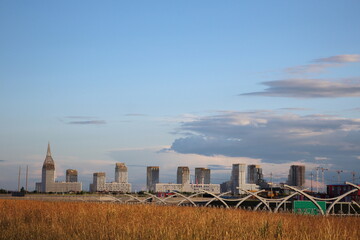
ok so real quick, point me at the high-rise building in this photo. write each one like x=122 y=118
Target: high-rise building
x=255 y=174
x=183 y=175
x=296 y=175
x=237 y=176
x=121 y=173
x=71 y=175
x=48 y=183
x=99 y=180
x=48 y=172
x=202 y=176
x=183 y=182
x=152 y=178
x=238 y=179
x=120 y=185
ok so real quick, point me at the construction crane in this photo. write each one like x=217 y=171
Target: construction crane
x=338 y=172
x=323 y=178
x=317 y=178
x=353 y=176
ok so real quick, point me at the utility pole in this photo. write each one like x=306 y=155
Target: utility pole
x=311 y=181
x=271 y=184
x=338 y=172
x=27 y=174
x=19 y=179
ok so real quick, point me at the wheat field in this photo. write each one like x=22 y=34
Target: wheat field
x=25 y=219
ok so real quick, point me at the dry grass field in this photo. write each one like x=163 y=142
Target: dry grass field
x=24 y=219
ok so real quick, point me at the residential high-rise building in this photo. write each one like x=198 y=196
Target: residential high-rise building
x=152 y=178
x=238 y=176
x=254 y=174
x=99 y=181
x=183 y=175
x=202 y=176
x=48 y=183
x=71 y=175
x=183 y=182
x=121 y=173
x=120 y=185
x=296 y=175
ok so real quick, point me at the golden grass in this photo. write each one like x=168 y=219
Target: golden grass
x=25 y=219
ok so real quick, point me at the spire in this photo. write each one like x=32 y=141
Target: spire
x=48 y=154
x=49 y=162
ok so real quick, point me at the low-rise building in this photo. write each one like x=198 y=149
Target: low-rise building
x=194 y=188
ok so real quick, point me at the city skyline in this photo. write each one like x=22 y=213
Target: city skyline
x=197 y=84
x=249 y=179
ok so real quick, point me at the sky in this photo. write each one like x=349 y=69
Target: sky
x=179 y=83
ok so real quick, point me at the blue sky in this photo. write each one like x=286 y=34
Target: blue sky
x=195 y=83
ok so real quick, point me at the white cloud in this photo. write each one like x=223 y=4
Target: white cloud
x=345 y=58
x=282 y=138
x=321 y=64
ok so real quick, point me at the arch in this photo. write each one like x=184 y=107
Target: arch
x=258 y=205
x=245 y=198
x=114 y=198
x=351 y=184
x=284 y=200
x=355 y=203
x=217 y=197
x=308 y=196
x=338 y=199
x=181 y=195
x=154 y=196
x=211 y=200
x=137 y=199
x=263 y=200
x=332 y=199
x=191 y=196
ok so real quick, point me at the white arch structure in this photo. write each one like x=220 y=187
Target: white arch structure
x=356 y=188
x=283 y=200
x=266 y=201
x=191 y=196
x=262 y=200
x=308 y=196
x=183 y=196
x=217 y=197
x=247 y=197
x=156 y=197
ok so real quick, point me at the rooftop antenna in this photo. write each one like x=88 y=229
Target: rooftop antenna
x=338 y=172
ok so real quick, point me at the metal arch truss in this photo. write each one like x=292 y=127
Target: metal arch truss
x=220 y=197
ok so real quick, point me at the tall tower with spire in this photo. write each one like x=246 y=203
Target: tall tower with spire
x=48 y=172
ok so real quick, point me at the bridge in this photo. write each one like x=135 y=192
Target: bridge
x=253 y=201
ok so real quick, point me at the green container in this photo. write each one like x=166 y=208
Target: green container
x=308 y=207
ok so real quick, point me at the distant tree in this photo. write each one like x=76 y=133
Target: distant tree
x=22 y=189
x=3 y=191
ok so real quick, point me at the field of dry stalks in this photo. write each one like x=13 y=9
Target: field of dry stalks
x=24 y=219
